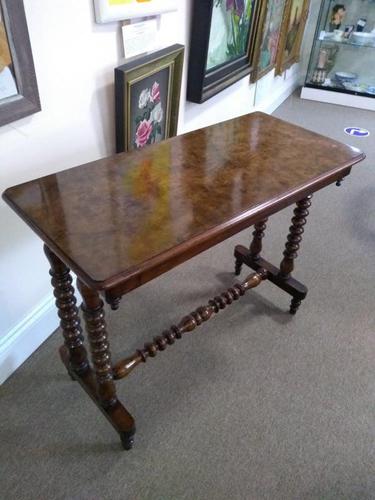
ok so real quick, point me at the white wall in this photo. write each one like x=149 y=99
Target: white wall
x=74 y=60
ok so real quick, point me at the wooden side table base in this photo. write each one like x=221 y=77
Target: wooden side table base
x=289 y=285
x=117 y=415
x=113 y=224
x=99 y=385
x=280 y=277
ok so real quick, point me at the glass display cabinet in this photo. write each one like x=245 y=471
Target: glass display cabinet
x=342 y=62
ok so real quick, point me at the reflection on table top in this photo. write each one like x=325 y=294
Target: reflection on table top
x=114 y=217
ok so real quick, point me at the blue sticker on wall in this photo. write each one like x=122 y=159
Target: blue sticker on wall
x=357 y=131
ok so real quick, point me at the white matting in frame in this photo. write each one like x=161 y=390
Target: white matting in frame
x=117 y=10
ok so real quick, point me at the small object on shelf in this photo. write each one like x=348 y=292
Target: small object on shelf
x=343 y=77
x=354 y=87
x=323 y=58
x=349 y=28
x=337 y=35
x=319 y=76
x=337 y=16
x=361 y=23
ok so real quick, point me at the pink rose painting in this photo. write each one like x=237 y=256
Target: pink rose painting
x=155 y=92
x=150 y=117
x=143 y=133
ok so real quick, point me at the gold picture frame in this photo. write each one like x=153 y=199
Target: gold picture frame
x=292 y=29
x=147 y=98
x=267 y=39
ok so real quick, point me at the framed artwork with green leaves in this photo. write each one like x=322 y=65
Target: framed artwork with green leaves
x=222 y=45
x=147 y=98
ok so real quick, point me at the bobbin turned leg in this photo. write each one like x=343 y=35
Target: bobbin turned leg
x=258 y=235
x=293 y=244
x=256 y=244
x=73 y=352
x=101 y=358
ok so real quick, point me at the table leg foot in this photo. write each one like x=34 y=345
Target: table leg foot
x=238 y=267
x=116 y=414
x=99 y=383
x=127 y=440
x=294 y=305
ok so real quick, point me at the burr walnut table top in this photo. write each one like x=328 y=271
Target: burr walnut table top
x=120 y=221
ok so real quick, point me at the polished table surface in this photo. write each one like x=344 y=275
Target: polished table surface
x=116 y=219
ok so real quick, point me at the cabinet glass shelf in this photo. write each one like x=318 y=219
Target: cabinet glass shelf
x=348 y=43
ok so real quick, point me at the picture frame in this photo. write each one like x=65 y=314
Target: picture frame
x=267 y=39
x=223 y=34
x=17 y=66
x=107 y=11
x=147 y=96
x=293 y=26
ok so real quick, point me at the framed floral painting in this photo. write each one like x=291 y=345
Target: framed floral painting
x=268 y=38
x=147 y=98
x=292 y=29
x=222 y=45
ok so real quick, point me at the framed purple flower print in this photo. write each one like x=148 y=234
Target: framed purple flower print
x=222 y=45
x=147 y=98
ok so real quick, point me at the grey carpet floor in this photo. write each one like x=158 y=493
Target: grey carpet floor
x=255 y=405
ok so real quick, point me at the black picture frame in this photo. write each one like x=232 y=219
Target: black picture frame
x=203 y=84
x=27 y=101
x=130 y=75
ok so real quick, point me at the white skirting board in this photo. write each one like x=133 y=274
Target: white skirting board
x=278 y=98
x=22 y=340
x=329 y=96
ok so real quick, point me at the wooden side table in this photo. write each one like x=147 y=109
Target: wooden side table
x=125 y=220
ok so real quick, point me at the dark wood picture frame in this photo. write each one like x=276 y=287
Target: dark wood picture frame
x=26 y=102
x=285 y=61
x=203 y=84
x=133 y=72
